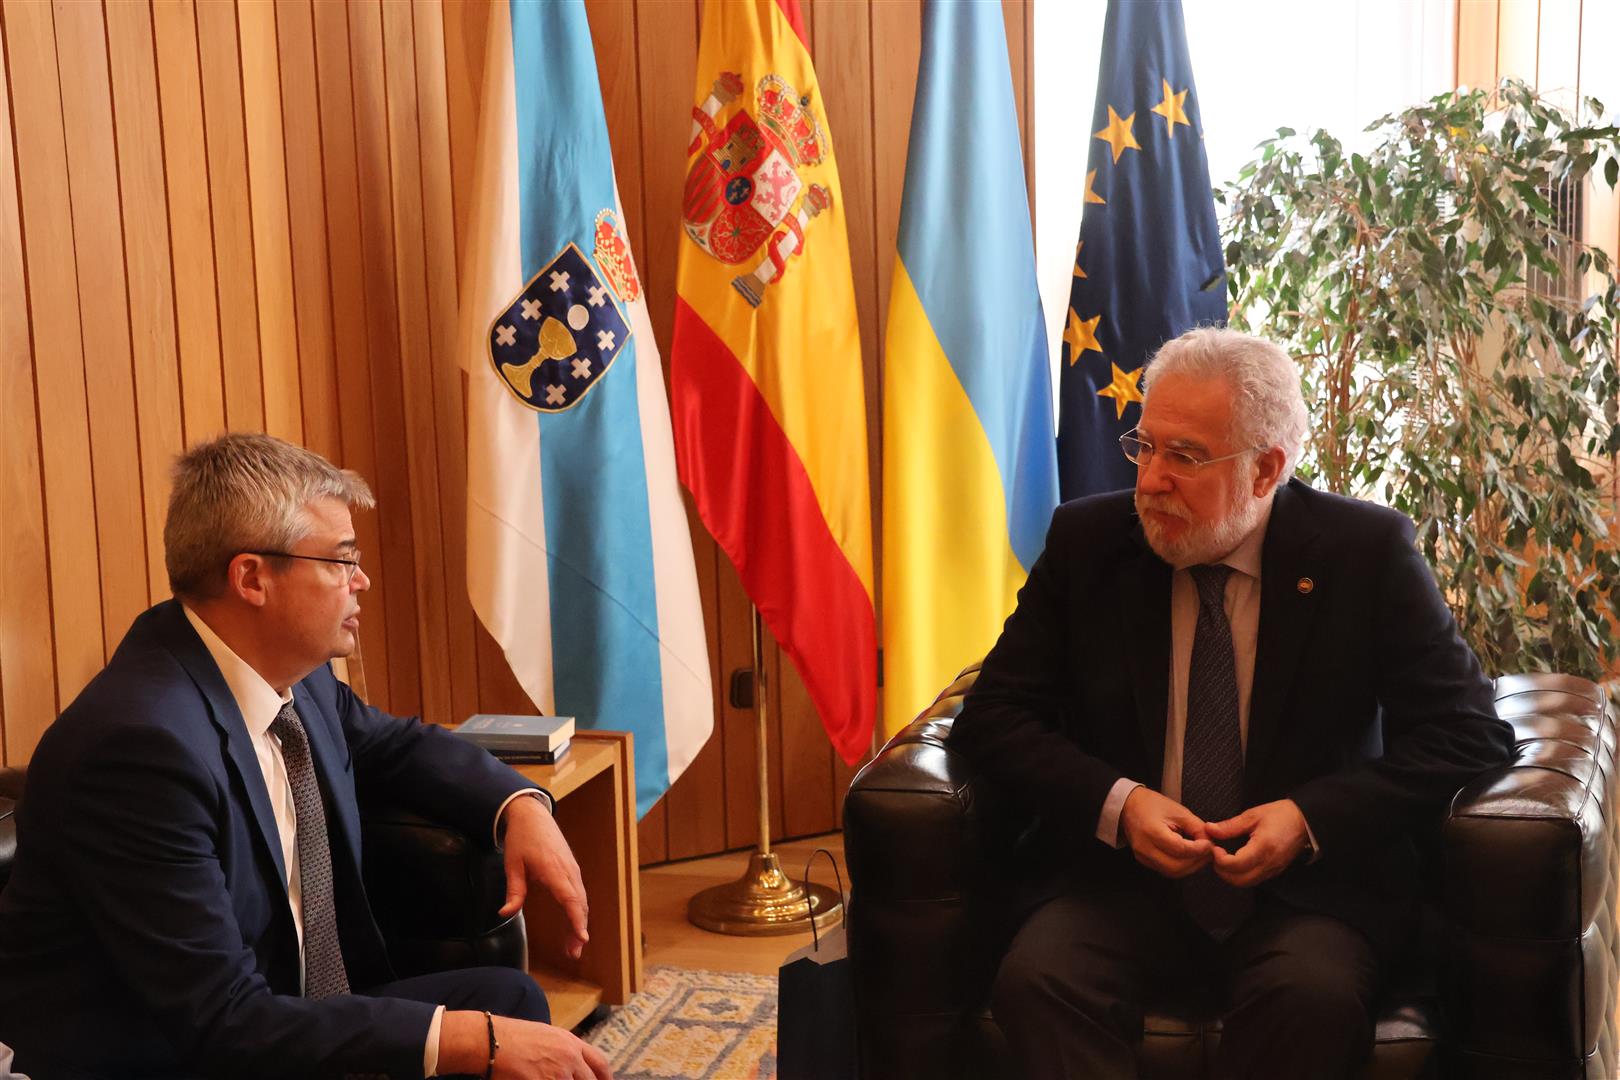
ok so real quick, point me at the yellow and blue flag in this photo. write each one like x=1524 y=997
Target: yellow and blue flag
x=969 y=466
x=579 y=559
x=1148 y=266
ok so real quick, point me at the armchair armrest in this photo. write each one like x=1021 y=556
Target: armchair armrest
x=436 y=893
x=1530 y=887
x=922 y=945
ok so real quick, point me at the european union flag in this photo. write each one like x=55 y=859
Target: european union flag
x=1149 y=264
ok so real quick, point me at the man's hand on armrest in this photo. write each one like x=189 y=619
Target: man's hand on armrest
x=528 y=1051
x=536 y=851
x=1165 y=836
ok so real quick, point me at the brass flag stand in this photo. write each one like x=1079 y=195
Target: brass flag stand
x=764 y=900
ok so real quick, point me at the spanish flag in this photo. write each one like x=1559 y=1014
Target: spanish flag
x=765 y=363
x=970 y=465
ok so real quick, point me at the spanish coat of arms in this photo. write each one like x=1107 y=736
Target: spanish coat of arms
x=743 y=190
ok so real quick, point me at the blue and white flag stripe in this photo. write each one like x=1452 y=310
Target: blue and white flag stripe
x=579 y=557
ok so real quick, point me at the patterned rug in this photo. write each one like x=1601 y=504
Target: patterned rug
x=693 y=1025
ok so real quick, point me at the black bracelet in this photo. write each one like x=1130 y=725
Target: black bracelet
x=489 y=1022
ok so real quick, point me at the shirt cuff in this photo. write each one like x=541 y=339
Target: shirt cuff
x=539 y=793
x=1113 y=806
x=1310 y=838
x=430 y=1053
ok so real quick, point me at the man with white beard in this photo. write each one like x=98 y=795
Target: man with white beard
x=1224 y=704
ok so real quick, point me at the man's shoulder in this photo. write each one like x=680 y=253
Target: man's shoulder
x=1112 y=513
x=1341 y=516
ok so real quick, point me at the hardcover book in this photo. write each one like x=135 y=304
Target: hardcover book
x=528 y=734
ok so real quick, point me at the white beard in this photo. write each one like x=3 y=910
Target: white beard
x=1199 y=544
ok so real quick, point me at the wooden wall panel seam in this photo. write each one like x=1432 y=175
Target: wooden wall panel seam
x=45 y=205
x=28 y=675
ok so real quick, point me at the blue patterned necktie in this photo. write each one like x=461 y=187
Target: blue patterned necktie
x=324 y=973
x=1212 y=751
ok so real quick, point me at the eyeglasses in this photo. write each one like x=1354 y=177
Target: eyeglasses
x=350 y=565
x=1140 y=452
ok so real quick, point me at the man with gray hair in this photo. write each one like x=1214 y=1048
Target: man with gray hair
x=187 y=898
x=1227 y=701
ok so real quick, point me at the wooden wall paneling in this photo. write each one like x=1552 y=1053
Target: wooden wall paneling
x=394 y=510
x=613 y=38
x=64 y=423
x=738 y=728
x=664 y=54
x=190 y=220
x=149 y=272
x=777 y=722
x=226 y=133
x=103 y=302
x=896 y=50
x=269 y=214
x=690 y=820
x=844 y=67
x=465 y=28
x=1517 y=30
x=27 y=660
x=1014 y=14
x=666 y=50
x=1476 y=43
x=350 y=322
x=807 y=760
x=449 y=410
x=416 y=359
x=306 y=226
x=1599 y=77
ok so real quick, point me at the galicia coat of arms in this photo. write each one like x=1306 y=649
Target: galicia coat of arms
x=743 y=190
x=559 y=336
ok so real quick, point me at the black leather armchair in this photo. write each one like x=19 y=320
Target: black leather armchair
x=434 y=890
x=1517 y=973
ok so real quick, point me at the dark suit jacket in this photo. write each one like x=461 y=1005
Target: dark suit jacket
x=1367 y=709
x=146 y=930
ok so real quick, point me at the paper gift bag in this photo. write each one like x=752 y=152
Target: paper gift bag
x=815 y=1034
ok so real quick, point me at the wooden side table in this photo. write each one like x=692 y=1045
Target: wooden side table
x=596 y=807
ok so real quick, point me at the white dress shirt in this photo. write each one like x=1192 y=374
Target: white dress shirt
x=1242 y=603
x=259 y=704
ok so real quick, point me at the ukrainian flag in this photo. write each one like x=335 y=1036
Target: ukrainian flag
x=969 y=466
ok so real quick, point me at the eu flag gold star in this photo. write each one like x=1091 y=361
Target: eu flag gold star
x=1081 y=335
x=1171 y=109
x=1122 y=389
x=1078 y=248
x=1091 y=192
x=1118 y=134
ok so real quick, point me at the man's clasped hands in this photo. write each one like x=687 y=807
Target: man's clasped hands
x=1245 y=850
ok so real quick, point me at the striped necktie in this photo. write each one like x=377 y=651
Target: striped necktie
x=1212 y=752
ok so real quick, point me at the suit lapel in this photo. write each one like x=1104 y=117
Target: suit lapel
x=328 y=754
x=1287 y=611
x=193 y=656
x=1145 y=582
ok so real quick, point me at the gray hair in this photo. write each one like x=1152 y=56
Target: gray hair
x=1268 y=407
x=244 y=492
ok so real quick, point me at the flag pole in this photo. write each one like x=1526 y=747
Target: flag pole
x=764 y=901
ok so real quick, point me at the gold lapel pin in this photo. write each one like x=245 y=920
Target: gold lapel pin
x=1305 y=585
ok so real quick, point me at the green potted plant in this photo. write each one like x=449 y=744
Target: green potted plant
x=1457 y=349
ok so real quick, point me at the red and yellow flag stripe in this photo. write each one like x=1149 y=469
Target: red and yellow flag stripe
x=765 y=364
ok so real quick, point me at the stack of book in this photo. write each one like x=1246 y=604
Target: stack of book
x=520 y=740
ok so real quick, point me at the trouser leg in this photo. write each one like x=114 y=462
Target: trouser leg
x=1070 y=992
x=1299 y=994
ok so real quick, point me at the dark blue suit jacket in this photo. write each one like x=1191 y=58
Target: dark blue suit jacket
x=1367 y=709
x=146 y=929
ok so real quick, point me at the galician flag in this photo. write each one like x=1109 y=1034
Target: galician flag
x=578 y=556
x=770 y=410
